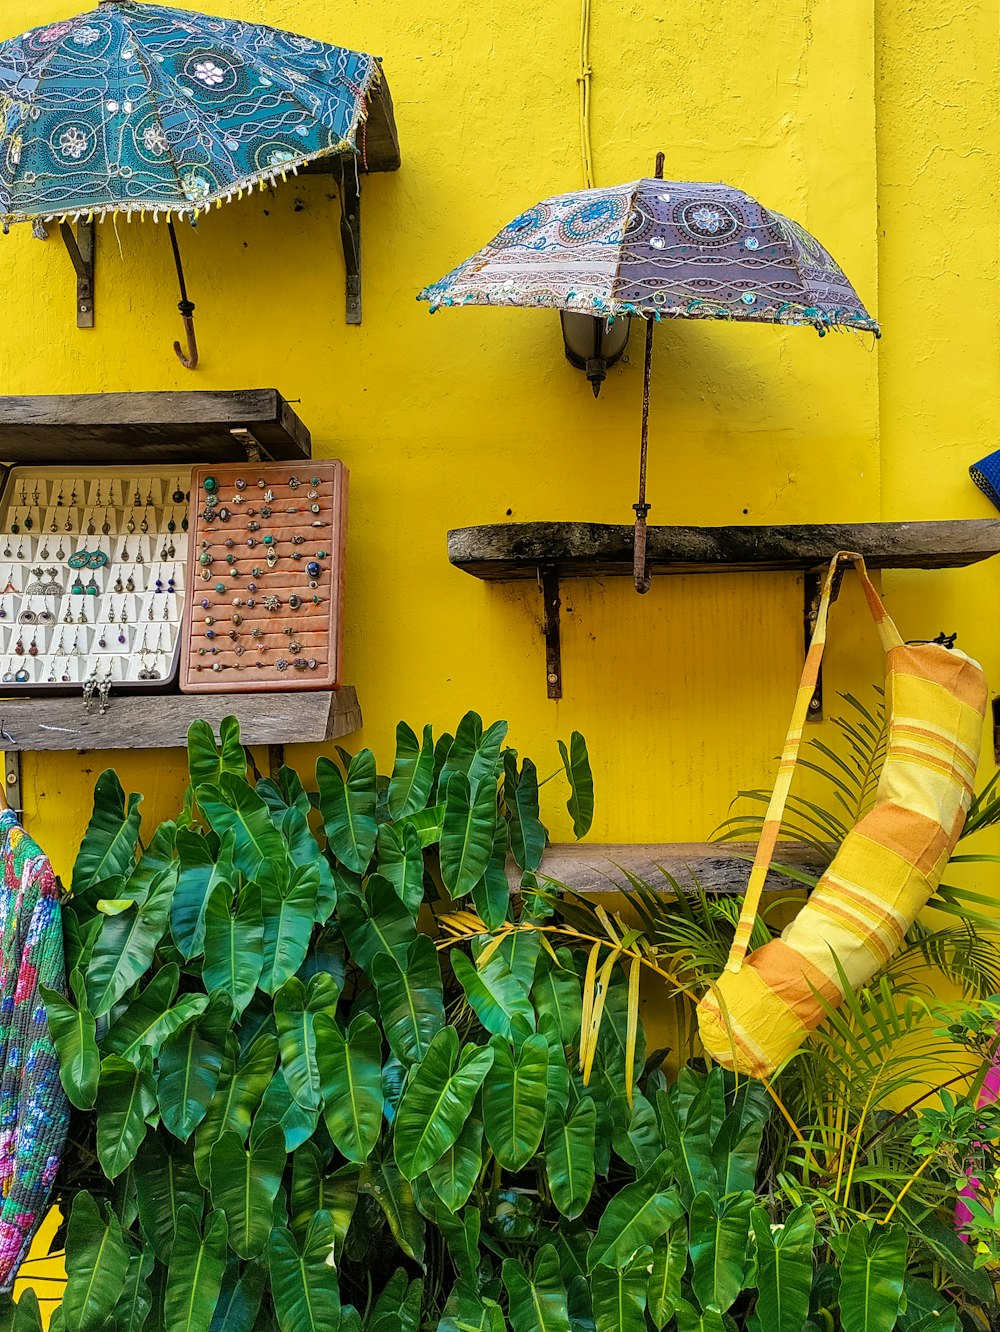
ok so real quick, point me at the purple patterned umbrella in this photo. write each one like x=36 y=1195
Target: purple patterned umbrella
x=659 y=249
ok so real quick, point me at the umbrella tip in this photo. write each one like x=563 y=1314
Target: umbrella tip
x=595 y=384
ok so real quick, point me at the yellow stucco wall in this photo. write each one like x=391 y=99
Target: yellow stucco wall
x=872 y=124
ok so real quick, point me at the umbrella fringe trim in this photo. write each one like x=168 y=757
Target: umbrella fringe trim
x=246 y=185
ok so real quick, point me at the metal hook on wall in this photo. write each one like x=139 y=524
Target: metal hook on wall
x=189 y=359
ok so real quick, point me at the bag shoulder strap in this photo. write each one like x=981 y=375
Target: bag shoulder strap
x=793 y=742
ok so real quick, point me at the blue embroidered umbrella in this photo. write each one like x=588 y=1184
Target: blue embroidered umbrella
x=658 y=249
x=136 y=108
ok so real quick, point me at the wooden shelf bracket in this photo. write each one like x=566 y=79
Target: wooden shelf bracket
x=548 y=580
x=349 y=184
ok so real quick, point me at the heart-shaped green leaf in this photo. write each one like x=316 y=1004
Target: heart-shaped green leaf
x=194 y=1277
x=348 y=809
x=125 y=947
x=125 y=1099
x=109 y=844
x=74 y=1033
x=412 y=773
x=514 y=1100
x=438 y=1100
x=304 y=1279
x=244 y=1185
x=350 y=1068
x=234 y=942
x=569 y=1157
x=470 y=820
x=96 y=1265
x=189 y=1067
x=410 y=999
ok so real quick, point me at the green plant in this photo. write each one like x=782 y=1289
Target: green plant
x=311 y=1097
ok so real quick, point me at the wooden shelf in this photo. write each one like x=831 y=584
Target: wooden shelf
x=135 y=428
x=549 y=552
x=503 y=551
x=161 y=721
x=378 y=138
x=720 y=869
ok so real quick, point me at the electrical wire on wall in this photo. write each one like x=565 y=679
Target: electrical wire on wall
x=583 y=80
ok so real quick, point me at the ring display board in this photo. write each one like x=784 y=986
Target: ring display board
x=266 y=573
x=93 y=568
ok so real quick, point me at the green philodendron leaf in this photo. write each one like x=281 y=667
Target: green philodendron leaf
x=243 y=1080
x=96 y=1265
x=125 y=946
x=514 y=1099
x=491 y=895
x=314 y=1190
x=244 y=1186
x=125 y=1099
x=74 y=1033
x=736 y=1154
x=232 y=806
x=284 y=792
x=871 y=1277
x=557 y=1077
x=537 y=1303
x=438 y=1100
x=412 y=773
x=109 y=844
x=619 y=1297
x=718 y=1244
x=636 y=1216
x=199 y=874
x=569 y=1157
x=189 y=1067
x=151 y=1017
x=520 y=792
x=208 y=761
x=349 y=809
x=398 y=1308
x=304 y=1283
x=376 y=921
x=304 y=850
x=470 y=820
x=410 y=999
x=474 y=752
x=194 y=1277
x=350 y=1070
x=690 y=1319
x=234 y=942
x=427 y=824
x=24 y=1316
x=158 y=856
x=240 y=1298
x=663 y=1292
x=576 y=762
x=401 y=861
x=556 y=990
x=784 y=1268
x=381 y=1180
x=289 y=914
x=690 y=1142
x=295 y=1011
x=453 y=1176
x=497 y=998
x=468 y=1311
x=165 y=1182
x=132 y=1309
x=279 y=1106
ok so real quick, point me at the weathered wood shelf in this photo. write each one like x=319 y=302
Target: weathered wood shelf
x=720 y=869
x=162 y=722
x=504 y=551
x=132 y=428
x=550 y=552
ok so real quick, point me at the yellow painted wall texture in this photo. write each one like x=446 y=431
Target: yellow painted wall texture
x=874 y=124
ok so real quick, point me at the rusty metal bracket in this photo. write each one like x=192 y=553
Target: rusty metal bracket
x=812 y=583
x=80 y=248
x=249 y=442
x=349 y=182
x=548 y=580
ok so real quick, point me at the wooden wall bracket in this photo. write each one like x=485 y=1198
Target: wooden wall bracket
x=349 y=182
x=80 y=248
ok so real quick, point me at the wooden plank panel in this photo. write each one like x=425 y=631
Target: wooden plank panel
x=581 y=550
x=157 y=427
x=378 y=139
x=162 y=723
x=720 y=869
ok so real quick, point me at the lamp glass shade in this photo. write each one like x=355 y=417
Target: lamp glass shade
x=593 y=343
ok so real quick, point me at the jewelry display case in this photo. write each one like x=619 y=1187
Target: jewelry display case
x=93 y=567
x=266 y=577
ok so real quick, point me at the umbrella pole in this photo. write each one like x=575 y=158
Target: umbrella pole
x=188 y=360
x=640 y=571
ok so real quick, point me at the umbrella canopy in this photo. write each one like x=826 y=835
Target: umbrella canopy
x=660 y=249
x=137 y=108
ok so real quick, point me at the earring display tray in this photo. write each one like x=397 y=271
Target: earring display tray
x=93 y=567
x=266 y=573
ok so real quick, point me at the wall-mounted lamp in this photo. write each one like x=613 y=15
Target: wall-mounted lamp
x=593 y=343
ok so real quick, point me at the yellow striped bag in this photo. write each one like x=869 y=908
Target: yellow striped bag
x=763 y=1006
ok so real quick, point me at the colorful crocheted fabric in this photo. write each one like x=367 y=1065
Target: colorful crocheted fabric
x=34 y=1112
